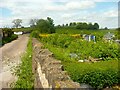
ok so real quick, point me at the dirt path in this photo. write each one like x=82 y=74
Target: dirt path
x=9 y=57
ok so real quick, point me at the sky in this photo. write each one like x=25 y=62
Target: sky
x=103 y=12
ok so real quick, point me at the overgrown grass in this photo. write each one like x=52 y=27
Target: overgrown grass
x=100 y=74
x=24 y=71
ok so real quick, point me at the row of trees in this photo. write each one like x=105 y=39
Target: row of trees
x=80 y=25
x=17 y=23
x=47 y=25
x=42 y=25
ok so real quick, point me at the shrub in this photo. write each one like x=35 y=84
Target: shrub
x=98 y=75
x=99 y=79
x=9 y=39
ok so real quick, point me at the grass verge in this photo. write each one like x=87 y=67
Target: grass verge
x=24 y=70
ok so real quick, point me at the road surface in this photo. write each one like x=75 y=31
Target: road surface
x=10 y=56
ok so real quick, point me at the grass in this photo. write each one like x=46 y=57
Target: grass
x=99 y=33
x=98 y=75
x=22 y=29
x=24 y=71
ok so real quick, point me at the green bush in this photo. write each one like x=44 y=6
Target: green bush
x=98 y=75
x=100 y=79
x=35 y=34
x=9 y=39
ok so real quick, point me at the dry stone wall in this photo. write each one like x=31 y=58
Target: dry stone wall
x=49 y=72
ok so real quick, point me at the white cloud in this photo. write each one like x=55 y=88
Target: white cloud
x=80 y=5
x=66 y=12
x=55 y=8
x=66 y=15
x=111 y=13
x=71 y=6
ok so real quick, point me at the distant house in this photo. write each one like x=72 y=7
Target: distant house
x=18 y=33
x=109 y=36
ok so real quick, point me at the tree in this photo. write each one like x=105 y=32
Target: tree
x=42 y=25
x=79 y=25
x=96 y=26
x=51 y=26
x=7 y=32
x=17 y=22
x=66 y=24
x=106 y=28
x=63 y=25
x=45 y=26
x=70 y=24
x=90 y=26
x=84 y=26
x=74 y=23
x=58 y=26
x=33 y=22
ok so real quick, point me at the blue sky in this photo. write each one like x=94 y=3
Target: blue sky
x=104 y=12
x=5 y=12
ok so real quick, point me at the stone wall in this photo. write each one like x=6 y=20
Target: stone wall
x=49 y=72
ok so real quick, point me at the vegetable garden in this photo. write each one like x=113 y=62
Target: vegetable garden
x=97 y=74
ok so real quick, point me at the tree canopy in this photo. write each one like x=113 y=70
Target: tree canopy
x=82 y=25
x=32 y=22
x=17 y=22
x=45 y=26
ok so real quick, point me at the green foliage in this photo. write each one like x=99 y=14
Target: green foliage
x=100 y=79
x=98 y=75
x=83 y=48
x=81 y=26
x=7 y=32
x=98 y=33
x=24 y=71
x=8 y=35
x=96 y=26
x=9 y=39
x=58 y=40
x=35 y=34
x=45 y=26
